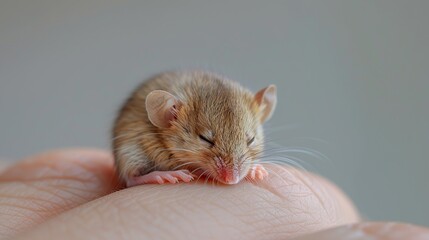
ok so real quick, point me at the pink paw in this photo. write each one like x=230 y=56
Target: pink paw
x=257 y=172
x=161 y=177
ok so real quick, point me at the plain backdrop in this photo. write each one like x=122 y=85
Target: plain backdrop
x=352 y=78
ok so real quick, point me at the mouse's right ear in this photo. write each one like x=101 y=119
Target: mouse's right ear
x=162 y=108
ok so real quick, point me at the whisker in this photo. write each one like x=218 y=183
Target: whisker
x=283 y=163
x=202 y=174
x=304 y=150
x=207 y=178
x=287 y=158
x=181 y=165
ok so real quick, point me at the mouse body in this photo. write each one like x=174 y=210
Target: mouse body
x=179 y=125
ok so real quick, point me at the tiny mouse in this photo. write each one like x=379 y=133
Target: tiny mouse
x=179 y=125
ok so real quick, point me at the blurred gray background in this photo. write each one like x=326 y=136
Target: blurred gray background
x=352 y=77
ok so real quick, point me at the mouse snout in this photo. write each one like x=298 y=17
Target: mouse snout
x=227 y=174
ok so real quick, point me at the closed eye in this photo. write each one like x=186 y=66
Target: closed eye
x=206 y=140
x=250 y=141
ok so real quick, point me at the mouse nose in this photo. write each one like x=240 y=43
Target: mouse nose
x=229 y=176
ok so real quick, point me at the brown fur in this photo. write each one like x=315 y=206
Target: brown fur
x=212 y=106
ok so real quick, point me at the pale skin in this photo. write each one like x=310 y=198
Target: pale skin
x=74 y=194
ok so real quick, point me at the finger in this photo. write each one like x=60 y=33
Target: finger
x=289 y=203
x=372 y=230
x=47 y=184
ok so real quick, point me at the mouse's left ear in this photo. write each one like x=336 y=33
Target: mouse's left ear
x=266 y=99
x=162 y=108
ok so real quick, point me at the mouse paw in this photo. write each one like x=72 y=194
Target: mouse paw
x=257 y=172
x=161 y=177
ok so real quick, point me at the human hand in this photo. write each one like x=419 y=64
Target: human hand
x=74 y=194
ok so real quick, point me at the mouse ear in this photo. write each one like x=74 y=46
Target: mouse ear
x=162 y=108
x=266 y=99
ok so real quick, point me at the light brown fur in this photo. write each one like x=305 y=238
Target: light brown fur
x=212 y=106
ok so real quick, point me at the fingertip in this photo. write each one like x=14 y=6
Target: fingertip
x=49 y=183
x=321 y=195
x=62 y=162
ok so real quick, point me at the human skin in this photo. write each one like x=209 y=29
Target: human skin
x=74 y=194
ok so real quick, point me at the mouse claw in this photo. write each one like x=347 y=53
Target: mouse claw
x=257 y=172
x=161 y=177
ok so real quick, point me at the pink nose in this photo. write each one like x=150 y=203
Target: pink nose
x=228 y=176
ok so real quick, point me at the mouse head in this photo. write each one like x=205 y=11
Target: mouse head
x=213 y=129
